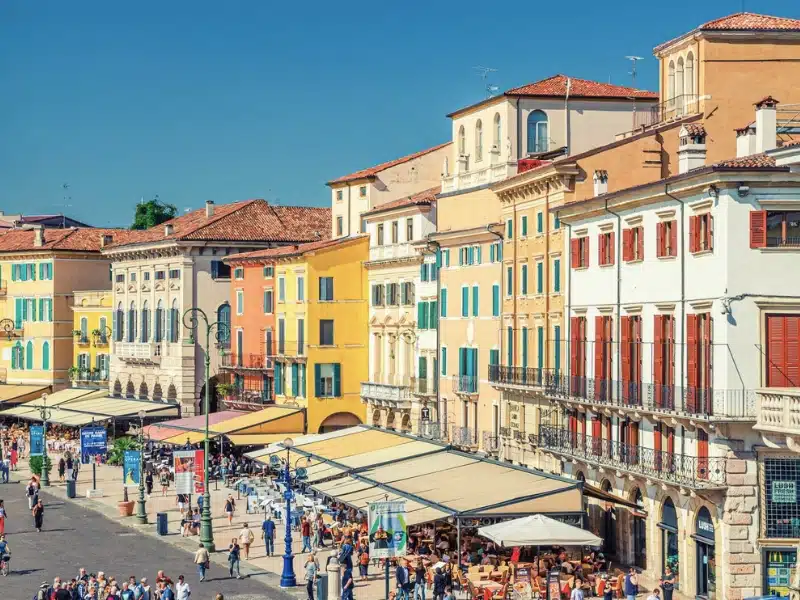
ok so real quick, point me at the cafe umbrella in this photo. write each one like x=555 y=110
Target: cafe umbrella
x=538 y=530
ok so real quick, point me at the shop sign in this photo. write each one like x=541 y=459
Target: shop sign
x=784 y=492
x=705 y=526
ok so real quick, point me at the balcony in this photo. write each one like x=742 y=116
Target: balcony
x=249 y=396
x=83 y=377
x=465 y=384
x=664 y=112
x=392 y=252
x=778 y=412
x=678 y=469
x=489 y=172
x=463 y=437
x=246 y=362
x=391 y=395
x=491 y=442
x=286 y=349
x=430 y=430
x=139 y=352
x=424 y=387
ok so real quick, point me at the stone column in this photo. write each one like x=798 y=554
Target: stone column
x=334 y=579
x=741 y=559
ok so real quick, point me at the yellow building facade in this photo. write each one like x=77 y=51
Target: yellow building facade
x=92 y=333
x=321 y=345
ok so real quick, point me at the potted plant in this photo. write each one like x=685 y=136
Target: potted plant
x=73 y=372
x=225 y=390
x=115 y=457
x=36 y=464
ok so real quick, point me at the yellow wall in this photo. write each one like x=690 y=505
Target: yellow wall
x=349 y=312
x=95 y=307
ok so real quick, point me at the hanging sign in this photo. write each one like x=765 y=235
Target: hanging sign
x=189 y=471
x=36 y=440
x=131 y=473
x=387 y=529
x=784 y=492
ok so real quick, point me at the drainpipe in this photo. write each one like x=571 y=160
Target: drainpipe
x=568 y=312
x=618 y=262
x=519 y=129
x=349 y=212
x=683 y=286
x=442 y=414
x=566 y=116
x=501 y=238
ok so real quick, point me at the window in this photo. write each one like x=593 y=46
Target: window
x=239 y=302
x=479 y=140
x=524 y=226
x=443 y=361
x=145 y=335
x=176 y=274
x=326 y=289
x=537 y=132
x=160 y=275
x=443 y=302
x=633 y=244
x=119 y=323
x=475 y=302
x=605 y=249
x=631 y=357
x=224 y=318
x=363 y=226
x=269 y=306
x=679 y=85
x=158 y=324
x=133 y=277
x=219 y=270
x=496 y=300
x=579 y=251
x=392 y=296
x=46 y=356
x=509 y=229
x=267 y=272
x=556 y=222
x=339 y=225
x=380 y=234
x=556 y=275
x=407 y=293
x=701 y=233
x=174 y=316
x=362 y=191
x=18 y=357
x=395 y=232
x=498 y=132
x=119 y=278
x=132 y=322
x=539 y=277
x=539 y=222
x=509 y=281
x=281 y=336
x=671 y=84
x=462 y=141
x=446 y=254
x=301 y=288
x=146 y=275
x=783 y=359
x=29 y=355
x=577 y=352
x=301 y=336
x=281 y=289
x=338 y=194
x=465 y=301
x=326 y=332
x=238 y=273
x=782 y=510
x=377 y=294
x=496 y=252
x=328 y=380
x=409 y=229
x=666 y=239
x=664 y=361
x=774 y=229
x=84 y=338
x=523 y=279
x=46 y=271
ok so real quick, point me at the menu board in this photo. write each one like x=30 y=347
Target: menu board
x=553 y=586
x=780 y=567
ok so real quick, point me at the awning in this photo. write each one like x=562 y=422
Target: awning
x=256 y=439
x=167 y=429
x=271 y=420
x=30 y=409
x=538 y=530
x=596 y=492
x=16 y=394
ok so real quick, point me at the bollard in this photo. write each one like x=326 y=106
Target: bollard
x=161 y=523
x=334 y=578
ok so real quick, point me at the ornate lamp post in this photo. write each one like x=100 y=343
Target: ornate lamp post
x=141 y=510
x=191 y=320
x=288 y=578
x=44 y=412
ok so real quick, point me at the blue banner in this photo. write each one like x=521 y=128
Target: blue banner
x=93 y=442
x=37 y=440
x=131 y=475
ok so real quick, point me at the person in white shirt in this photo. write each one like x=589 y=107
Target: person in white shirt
x=577 y=592
x=182 y=589
x=656 y=595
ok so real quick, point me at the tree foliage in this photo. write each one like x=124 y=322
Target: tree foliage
x=36 y=463
x=152 y=213
x=118 y=448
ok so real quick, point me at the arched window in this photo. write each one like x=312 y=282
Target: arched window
x=18 y=357
x=158 y=326
x=103 y=328
x=173 y=322
x=688 y=87
x=537 y=132
x=679 y=79
x=132 y=322
x=84 y=329
x=669 y=537
x=145 y=322
x=46 y=356
x=671 y=83
x=479 y=140
x=119 y=323
x=29 y=356
x=498 y=131
x=224 y=319
x=462 y=141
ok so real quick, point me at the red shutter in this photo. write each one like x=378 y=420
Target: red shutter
x=640 y=244
x=776 y=355
x=670 y=358
x=673 y=239
x=758 y=229
x=573 y=352
x=658 y=358
x=792 y=369
x=691 y=361
x=702 y=454
x=575 y=253
x=710 y=233
x=601 y=250
x=625 y=352
x=611 y=248
x=596 y=428
x=586 y=251
x=626 y=244
x=657 y=438
x=693 y=229
x=660 y=239
x=598 y=354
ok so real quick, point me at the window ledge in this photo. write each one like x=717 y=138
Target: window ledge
x=606 y=266
x=702 y=253
x=581 y=268
x=634 y=261
x=667 y=257
x=781 y=249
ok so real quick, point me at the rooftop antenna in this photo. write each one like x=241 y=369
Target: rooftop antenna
x=491 y=89
x=632 y=73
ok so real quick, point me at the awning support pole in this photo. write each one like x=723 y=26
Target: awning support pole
x=458 y=541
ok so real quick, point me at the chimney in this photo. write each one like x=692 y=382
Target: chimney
x=209 y=209
x=745 y=141
x=766 y=124
x=106 y=239
x=169 y=228
x=691 y=147
x=38 y=236
x=600 y=182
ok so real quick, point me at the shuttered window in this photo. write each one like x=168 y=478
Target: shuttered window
x=666 y=239
x=783 y=351
x=579 y=252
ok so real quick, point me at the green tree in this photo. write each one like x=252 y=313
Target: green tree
x=152 y=213
x=36 y=463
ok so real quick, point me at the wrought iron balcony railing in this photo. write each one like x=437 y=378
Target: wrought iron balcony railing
x=491 y=441
x=463 y=436
x=505 y=432
x=256 y=362
x=430 y=430
x=679 y=469
x=465 y=384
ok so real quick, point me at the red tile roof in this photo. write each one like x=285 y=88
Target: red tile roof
x=694 y=129
x=754 y=161
x=76 y=239
x=425 y=198
x=373 y=171
x=584 y=88
x=293 y=250
x=245 y=221
x=742 y=21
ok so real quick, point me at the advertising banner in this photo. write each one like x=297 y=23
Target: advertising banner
x=387 y=529
x=37 y=440
x=93 y=442
x=131 y=475
x=189 y=471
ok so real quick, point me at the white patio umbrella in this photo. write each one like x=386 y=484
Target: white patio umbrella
x=538 y=530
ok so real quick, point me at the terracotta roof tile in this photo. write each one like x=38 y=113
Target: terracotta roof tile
x=742 y=21
x=789 y=144
x=754 y=161
x=245 y=221
x=373 y=171
x=292 y=250
x=557 y=86
x=694 y=129
x=426 y=197
x=76 y=239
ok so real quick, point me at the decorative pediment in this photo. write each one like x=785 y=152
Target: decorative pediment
x=145 y=286
x=175 y=284
x=132 y=287
x=159 y=286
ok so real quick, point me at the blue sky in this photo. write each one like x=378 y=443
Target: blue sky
x=196 y=100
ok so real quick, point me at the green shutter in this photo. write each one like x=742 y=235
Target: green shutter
x=499 y=252
x=15 y=355
x=524 y=279
x=464 y=301
x=525 y=347
x=557 y=275
x=494 y=357
x=495 y=300
x=433 y=322
x=509 y=281
x=509 y=229
x=540 y=346
x=422 y=367
x=295 y=379
x=29 y=356
x=443 y=303
x=444 y=362
x=491 y=253
x=14 y=272
x=303 y=381
x=50 y=309
x=18 y=313
x=480 y=253
x=475 y=303
x=461 y=354
x=510 y=346
x=557 y=348
x=539 y=277
x=46 y=356
x=539 y=222
x=420 y=314
x=524 y=231
x=317 y=380
x=439 y=258
x=337 y=380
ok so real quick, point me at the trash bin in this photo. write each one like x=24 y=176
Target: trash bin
x=161 y=523
x=70 y=488
x=322 y=586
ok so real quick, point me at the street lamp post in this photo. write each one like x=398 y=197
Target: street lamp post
x=141 y=511
x=288 y=578
x=44 y=412
x=191 y=320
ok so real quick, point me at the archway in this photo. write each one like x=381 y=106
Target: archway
x=157 y=393
x=143 y=391
x=130 y=390
x=639 y=529
x=117 y=390
x=376 y=417
x=213 y=400
x=405 y=424
x=390 y=420
x=340 y=420
x=669 y=537
x=608 y=522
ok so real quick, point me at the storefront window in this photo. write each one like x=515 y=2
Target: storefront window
x=706 y=557
x=779 y=568
x=640 y=532
x=669 y=539
x=782 y=510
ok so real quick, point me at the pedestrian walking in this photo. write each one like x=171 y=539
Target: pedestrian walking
x=403 y=580
x=419 y=581
x=38 y=515
x=166 y=592
x=668 y=583
x=3 y=516
x=363 y=560
x=347 y=584
x=230 y=508
x=148 y=482
x=201 y=559
x=32 y=492
x=246 y=537
x=62 y=468
x=76 y=467
x=311 y=568
x=14 y=457
x=182 y=589
x=234 y=554
x=305 y=533
x=631 y=585
x=164 y=480
x=268 y=533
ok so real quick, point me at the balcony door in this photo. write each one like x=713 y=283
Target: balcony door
x=783 y=351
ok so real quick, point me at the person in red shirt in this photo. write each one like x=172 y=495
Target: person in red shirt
x=305 y=532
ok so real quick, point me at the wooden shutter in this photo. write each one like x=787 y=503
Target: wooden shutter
x=710 y=233
x=657 y=439
x=660 y=239
x=575 y=250
x=598 y=355
x=692 y=234
x=640 y=244
x=702 y=454
x=627 y=245
x=596 y=428
x=625 y=352
x=658 y=358
x=337 y=380
x=673 y=239
x=691 y=361
x=573 y=350
x=585 y=262
x=611 y=248
x=758 y=229
x=601 y=250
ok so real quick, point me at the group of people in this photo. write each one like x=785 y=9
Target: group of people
x=12 y=448
x=99 y=586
